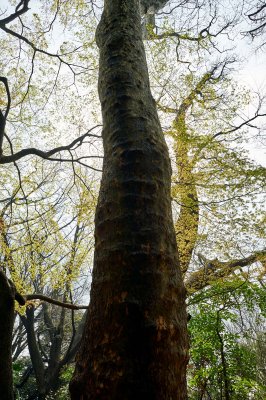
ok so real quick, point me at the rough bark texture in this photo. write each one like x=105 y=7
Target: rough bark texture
x=7 y=302
x=135 y=340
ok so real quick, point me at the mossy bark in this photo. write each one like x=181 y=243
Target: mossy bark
x=135 y=339
x=187 y=224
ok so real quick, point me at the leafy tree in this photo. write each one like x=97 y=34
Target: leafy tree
x=21 y=103
x=223 y=362
x=200 y=149
x=45 y=255
x=215 y=183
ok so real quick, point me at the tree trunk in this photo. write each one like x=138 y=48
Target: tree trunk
x=188 y=221
x=36 y=359
x=226 y=382
x=7 y=307
x=135 y=339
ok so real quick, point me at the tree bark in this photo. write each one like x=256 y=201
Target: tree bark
x=7 y=310
x=135 y=339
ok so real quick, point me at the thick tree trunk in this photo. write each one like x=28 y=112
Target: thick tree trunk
x=135 y=340
x=7 y=306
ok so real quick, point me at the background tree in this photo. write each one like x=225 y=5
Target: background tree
x=44 y=255
x=224 y=357
x=214 y=182
x=22 y=102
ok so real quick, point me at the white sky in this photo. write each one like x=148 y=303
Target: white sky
x=253 y=76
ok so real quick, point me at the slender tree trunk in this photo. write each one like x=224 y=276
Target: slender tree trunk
x=8 y=295
x=7 y=305
x=226 y=382
x=135 y=339
x=36 y=358
x=52 y=373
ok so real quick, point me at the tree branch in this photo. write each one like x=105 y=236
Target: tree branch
x=19 y=11
x=3 y=117
x=46 y=154
x=257 y=17
x=41 y=297
x=215 y=269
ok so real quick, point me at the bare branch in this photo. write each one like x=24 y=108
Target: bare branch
x=258 y=20
x=3 y=117
x=46 y=155
x=21 y=8
x=55 y=302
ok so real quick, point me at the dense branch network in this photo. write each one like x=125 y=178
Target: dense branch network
x=21 y=9
x=257 y=18
x=46 y=155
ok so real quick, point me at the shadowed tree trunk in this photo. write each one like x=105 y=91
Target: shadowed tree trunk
x=7 y=304
x=36 y=358
x=135 y=339
x=48 y=375
x=8 y=295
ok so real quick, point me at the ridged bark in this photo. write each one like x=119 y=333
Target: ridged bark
x=135 y=339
